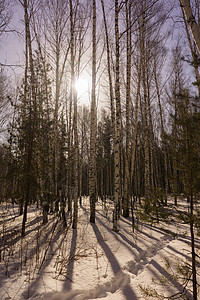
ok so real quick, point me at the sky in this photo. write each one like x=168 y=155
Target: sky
x=12 y=44
x=12 y=50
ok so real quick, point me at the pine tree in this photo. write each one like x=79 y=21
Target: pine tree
x=187 y=123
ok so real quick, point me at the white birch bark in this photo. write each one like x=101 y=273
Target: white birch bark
x=128 y=88
x=74 y=99
x=145 y=107
x=118 y=124
x=112 y=109
x=193 y=51
x=92 y=167
x=194 y=27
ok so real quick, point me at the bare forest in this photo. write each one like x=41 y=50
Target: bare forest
x=99 y=149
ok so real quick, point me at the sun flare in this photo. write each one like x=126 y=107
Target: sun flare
x=82 y=86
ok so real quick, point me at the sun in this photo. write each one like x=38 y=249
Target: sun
x=82 y=86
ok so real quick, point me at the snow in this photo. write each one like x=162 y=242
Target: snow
x=93 y=262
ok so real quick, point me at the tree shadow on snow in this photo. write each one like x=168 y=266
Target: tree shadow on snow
x=125 y=287
x=175 y=283
x=70 y=266
x=124 y=240
x=52 y=248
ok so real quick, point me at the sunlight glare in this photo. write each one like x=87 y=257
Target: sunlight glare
x=82 y=86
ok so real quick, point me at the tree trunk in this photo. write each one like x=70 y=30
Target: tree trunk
x=28 y=162
x=194 y=276
x=128 y=88
x=117 y=140
x=92 y=167
x=109 y=73
x=193 y=50
x=75 y=125
x=162 y=133
x=194 y=27
x=145 y=115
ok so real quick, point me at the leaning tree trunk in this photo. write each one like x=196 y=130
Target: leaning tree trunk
x=194 y=27
x=193 y=52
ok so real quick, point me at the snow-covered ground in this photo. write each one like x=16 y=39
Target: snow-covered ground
x=93 y=262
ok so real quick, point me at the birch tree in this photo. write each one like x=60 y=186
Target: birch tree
x=6 y=110
x=75 y=125
x=194 y=27
x=128 y=96
x=117 y=141
x=92 y=166
x=192 y=49
x=145 y=107
x=109 y=67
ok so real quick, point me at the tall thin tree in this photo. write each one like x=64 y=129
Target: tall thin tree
x=92 y=170
x=194 y=27
x=117 y=141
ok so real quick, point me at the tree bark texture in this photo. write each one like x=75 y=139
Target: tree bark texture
x=194 y=27
x=117 y=141
x=128 y=96
x=92 y=167
x=75 y=125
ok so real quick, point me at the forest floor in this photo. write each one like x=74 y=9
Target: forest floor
x=93 y=262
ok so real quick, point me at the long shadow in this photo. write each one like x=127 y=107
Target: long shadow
x=34 y=221
x=10 y=219
x=147 y=235
x=171 y=284
x=33 y=286
x=178 y=252
x=11 y=237
x=175 y=283
x=101 y=214
x=50 y=230
x=125 y=230
x=127 y=243
x=142 y=233
x=127 y=291
x=70 y=266
x=133 y=246
x=109 y=254
x=14 y=266
x=126 y=220
x=139 y=230
x=17 y=227
x=123 y=237
x=153 y=228
x=181 y=236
